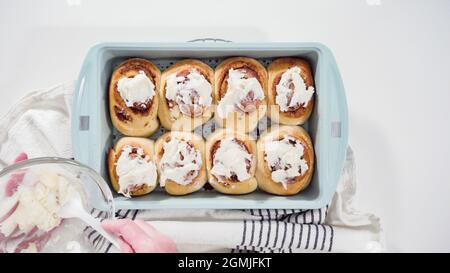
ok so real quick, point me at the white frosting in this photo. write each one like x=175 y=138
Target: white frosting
x=32 y=248
x=138 y=89
x=240 y=93
x=286 y=158
x=299 y=96
x=177 y=162
x=134 y=171
x=231 y=159
x=38 y=205
x=193 y=91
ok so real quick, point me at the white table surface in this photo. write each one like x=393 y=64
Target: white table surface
x=393 y=56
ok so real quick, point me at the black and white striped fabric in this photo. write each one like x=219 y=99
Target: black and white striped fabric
x=286 y=231
x=254 y=230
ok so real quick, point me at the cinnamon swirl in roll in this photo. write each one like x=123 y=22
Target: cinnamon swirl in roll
x=240 y=93
x=186 y=95
x=181 y=162
x=132 y=168
x=231 y=162
x=133 y=101
x=285 y=160
x=291 y=91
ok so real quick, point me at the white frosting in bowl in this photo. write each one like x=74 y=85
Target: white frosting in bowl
x=38 y=204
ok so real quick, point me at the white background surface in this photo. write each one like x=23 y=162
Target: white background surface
x=393 y=56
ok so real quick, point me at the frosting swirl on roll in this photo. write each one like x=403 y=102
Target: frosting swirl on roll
x=284 y=158
x=231 y=160
x=292 y=92
x=244 y=92
x=136 y=91
x=180 y=162
x=190 y=90
x=134 y=170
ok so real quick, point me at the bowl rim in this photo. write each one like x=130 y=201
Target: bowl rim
x=101 y=183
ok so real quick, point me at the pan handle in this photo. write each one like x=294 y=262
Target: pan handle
x=209 y=40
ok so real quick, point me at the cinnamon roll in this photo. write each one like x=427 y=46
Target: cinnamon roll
x=132 y=167
x=231 y=162
x=240 y=93
x=133 y=101
x=285 y=160
x=186 y=95
x=181 y=162
x=291 y=91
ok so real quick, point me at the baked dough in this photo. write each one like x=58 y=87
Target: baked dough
x=198 y=143
x=230 y=186
x=148 y=147
x=239 y=120
x=169 y=112
x=264 y=174
x=296 y=116
x=134 y=121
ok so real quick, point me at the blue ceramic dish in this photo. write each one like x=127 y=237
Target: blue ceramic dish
x=93 y=133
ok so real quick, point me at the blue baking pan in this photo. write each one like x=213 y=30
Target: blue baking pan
x=93 y=133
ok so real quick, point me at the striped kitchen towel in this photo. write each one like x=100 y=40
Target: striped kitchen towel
x=254 y=230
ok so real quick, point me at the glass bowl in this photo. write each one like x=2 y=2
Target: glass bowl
x=32 y=191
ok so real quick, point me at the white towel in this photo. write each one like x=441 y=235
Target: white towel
x=40 y=126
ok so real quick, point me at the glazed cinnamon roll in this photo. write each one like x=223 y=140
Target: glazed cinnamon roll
x=231 y=162
x=291 y=91
x=133 y=101
x=132 y=167
x=181 y=162
x=186 y=95
x=240 y=93
x=285 y=160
